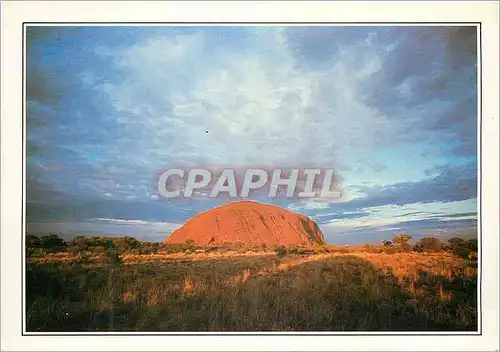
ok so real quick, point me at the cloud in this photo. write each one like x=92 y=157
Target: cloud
x=379 y=167
x=453 y=183
x=244 y=98
x=116 y=106
x=383 y=222
x=450 y=184
x=327 y=218
x=150 y=231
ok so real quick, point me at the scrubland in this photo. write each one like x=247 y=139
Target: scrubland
x=238 y=288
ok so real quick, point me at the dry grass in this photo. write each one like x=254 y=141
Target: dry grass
x=410 y=264
x=336 y=290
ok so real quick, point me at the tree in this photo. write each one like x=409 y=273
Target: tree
x=32 y=241
x=401 y=238
x=456 y=242
x=461 y=247
x=386 y=243
x=127 y=243
x=52 y=242
x=472 y=244
x=32 y=245
x=428 y=244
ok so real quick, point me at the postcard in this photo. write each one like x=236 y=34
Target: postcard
x=197 y=178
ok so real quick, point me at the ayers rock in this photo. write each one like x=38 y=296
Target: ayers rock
x=249 y=222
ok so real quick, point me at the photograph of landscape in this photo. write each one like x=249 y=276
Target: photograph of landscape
x=244 y=178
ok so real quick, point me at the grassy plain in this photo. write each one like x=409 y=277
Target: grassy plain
x=334 y=289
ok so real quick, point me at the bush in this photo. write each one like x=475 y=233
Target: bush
x=32 y=241
x=93 y=244
x=120 y=244
x=400 y=239
x=124 y=244
x=35 y=252
x=280 y=251
x=386 y=243
x=51 y=243
x=113 y=257
x=190 y=244
x=401 y=242
x=390 y=250
x=405 y=247
x=472 y=244
x=173 y=247
x=428 y=244
x=462 y=248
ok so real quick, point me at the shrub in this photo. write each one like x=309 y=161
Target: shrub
x=32 y=241
x=401 y=239
x=82 y=257
x=52 y=243
x=472 y=244
x=146 y=248
x=190 y=243
x=113 y=257
x=405 y=247
x=123 y=244
x=35 y=252
x=390 y=250
x=461 y=247
x=280 y=251
x=428 y=244
x=386 y=243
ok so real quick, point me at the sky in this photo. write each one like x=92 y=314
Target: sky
x=392 y=109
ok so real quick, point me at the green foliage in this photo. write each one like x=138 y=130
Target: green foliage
x=456 y=242
x=46 y=243
x=120 y=245
x=461 y=247
x=280 y=251
x=472 y=244
x=428 y=244
x=113 y=257
x=52 y=242
x=124 y=244
x=33 y=241
x=93 y=244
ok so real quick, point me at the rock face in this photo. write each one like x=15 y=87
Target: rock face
x=249 y=222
